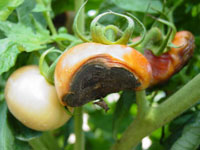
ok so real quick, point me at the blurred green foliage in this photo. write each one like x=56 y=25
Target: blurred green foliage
x=105 y=128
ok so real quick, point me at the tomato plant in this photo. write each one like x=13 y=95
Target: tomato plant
x=138 y=60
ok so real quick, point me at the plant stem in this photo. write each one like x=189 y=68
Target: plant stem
x=78 y=116
x=50 y=22
x=142 y=103
x=48 y=18
x=78 y=121
x=156 y=117
x=179 y=102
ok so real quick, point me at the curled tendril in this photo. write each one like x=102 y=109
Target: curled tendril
x=98 y=31
x=143 y=33
x=46 y=70
x=75 y=25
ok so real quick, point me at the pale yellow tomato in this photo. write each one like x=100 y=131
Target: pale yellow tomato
x=33 y=101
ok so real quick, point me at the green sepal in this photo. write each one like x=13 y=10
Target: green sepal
x=156 y=41
x=98 y=31
x=152 y=40
x=46 y=70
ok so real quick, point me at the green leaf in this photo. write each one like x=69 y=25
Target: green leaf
x=7 y=137
x=139 y=6
x=190 y=139
x=25 y=37
x=24 y=13
x=8 y=55
x=7 y=7
x=4 y=44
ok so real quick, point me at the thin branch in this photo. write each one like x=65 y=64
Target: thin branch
x=156 y=117
x=78 y=116
x=179 y=102
x=78 y=122
x=50 y=23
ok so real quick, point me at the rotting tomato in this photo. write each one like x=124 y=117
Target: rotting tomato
x=33 y=101
x=164 y=66
x=90 y=71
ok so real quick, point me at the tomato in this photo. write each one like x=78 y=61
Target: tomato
x=90 y=71
x=164 y=66
x=33 y=101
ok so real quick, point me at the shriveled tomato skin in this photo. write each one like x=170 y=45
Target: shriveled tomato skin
x=33 y=101
x=181 y=55
x=164 y=66
x=120 y=56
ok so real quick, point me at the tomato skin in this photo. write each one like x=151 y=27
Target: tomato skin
x=33 y=101
x=164 y=66
x=120 y=56
x=180 y=56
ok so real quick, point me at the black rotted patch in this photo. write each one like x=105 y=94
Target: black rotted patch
x=94 y=81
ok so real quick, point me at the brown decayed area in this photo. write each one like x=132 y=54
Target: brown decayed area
x=96 y=79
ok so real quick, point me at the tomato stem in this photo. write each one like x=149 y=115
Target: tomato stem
x=78 y=122
x=78 y=116
x=50 y=22
x=156 y=117
x=142 y=103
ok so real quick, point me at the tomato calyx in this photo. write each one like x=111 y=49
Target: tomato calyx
x=110 y=34
x=169 y=63
x=98 y=31
x=156 y=40
x=46 y=70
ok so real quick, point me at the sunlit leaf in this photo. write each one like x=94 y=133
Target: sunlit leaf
x=7 y=7
x=8 y=56
x=24 y=36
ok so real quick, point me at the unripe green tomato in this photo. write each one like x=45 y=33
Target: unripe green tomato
x=33 y=101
